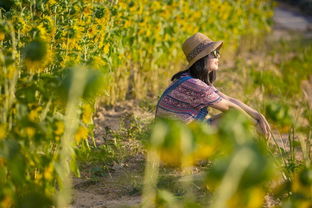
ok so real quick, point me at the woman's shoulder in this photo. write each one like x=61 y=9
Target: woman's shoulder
x=196 y=82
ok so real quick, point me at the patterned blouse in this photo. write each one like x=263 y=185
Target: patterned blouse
x=187 y=98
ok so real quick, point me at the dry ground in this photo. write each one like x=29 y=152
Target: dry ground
x=121 y=186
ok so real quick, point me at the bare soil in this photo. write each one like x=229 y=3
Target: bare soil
x=121 y=185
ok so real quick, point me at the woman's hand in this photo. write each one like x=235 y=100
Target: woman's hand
x=263 y=125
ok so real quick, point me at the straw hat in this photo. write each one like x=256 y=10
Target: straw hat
x=198 y=46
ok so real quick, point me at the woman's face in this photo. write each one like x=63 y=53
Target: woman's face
x=213 y=62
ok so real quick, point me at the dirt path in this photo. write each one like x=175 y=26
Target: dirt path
x=290 y=18
x=289 y=22
x=121 y=187
x=118 y=189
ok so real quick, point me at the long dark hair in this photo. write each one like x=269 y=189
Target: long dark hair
x=199 y=70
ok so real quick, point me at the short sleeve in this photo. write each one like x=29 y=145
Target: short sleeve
x=205 y=95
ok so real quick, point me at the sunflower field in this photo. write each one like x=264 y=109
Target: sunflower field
x=60 y=59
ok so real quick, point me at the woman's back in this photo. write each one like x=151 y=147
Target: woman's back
x=187 y=98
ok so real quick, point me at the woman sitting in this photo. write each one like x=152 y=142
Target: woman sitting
x=192 y=92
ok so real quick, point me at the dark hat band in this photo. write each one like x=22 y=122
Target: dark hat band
x=199 y=48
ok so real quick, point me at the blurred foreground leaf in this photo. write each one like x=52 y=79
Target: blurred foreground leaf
x=242 y=165
x=35 y=50
x=95 y=82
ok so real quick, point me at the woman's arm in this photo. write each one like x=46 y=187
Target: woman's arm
x=252 y=112
x=259 y=118
x=225 y=105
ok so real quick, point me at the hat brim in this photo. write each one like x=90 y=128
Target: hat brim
x=215 y=45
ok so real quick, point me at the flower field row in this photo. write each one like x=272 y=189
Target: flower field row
x=52 y=53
